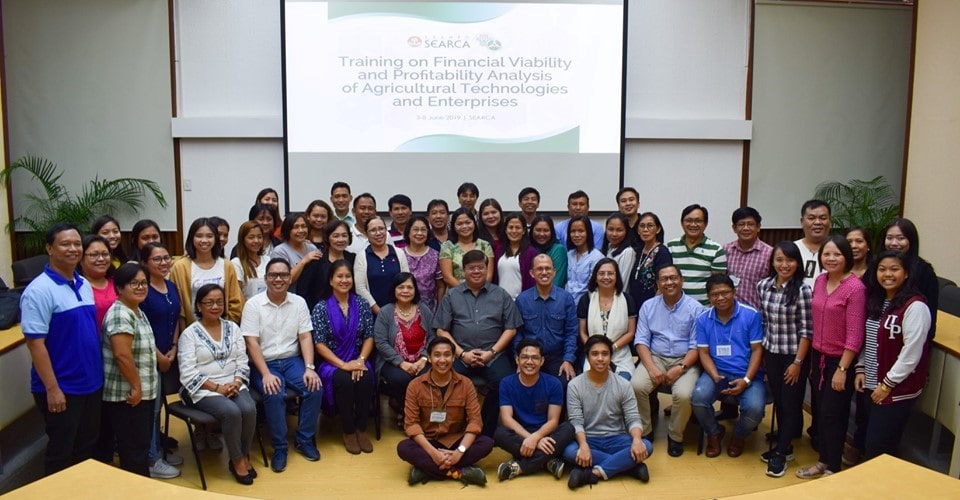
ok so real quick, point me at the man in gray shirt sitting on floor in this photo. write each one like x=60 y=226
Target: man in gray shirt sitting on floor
x=603 y=411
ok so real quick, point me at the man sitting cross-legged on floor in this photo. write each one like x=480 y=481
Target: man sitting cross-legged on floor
x=530 y=407
x=442 y=421
x=603 y=411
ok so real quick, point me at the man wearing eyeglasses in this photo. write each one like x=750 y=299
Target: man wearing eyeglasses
x=696 y=255
x=58 y=320
x=481 y=319
x=530 y=427
x=729 y=341
x=666 y=344
x=550 y=316
x=279 y=335
x=748 y=258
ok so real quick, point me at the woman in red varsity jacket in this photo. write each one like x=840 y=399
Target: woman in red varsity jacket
x=892 y=367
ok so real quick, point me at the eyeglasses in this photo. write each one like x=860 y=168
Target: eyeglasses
x=524 y=357
x=475 y=269
x=137 y=284
x=212 y=303
x=720 y=294
x=668 y=279
x=693 y=222
x=647 y=227
x=98 y=255
x=278 y=276
x=161 y=259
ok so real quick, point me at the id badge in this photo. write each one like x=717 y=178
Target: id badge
x=724 y=350
x=438 y=417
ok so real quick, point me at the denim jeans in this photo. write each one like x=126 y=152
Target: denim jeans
x=290 y=371
x=611 y=454
x=752 y=402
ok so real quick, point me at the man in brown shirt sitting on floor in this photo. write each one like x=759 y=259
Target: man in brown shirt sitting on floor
x=442 y=422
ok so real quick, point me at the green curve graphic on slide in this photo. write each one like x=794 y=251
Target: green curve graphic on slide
x=564 y=142
x=447 y=12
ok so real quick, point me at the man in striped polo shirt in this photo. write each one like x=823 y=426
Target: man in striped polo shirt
x=696 y=255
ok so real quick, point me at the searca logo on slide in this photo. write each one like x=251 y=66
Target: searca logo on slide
x=454 y=42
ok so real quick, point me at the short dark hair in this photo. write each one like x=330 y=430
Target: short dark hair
x=589 y=228
x=474 y=256
x=626 y=189
x=362 y=196
x=468 y=186
x=811 y=204
x=399 y=199
x=578 y=194
x=438 y=202
x=667 y=266
x=51 y=235
x=126 y=273
x=597 y=339
x=717 y=279
x=339 y=184
x=745 y=213
x=202 y=293
x=438 y=340
x=528 y=190
x=288 y=223
x=88 y=240
x=696 y=206
x=278 y=260
x=529 y=342
x=398 y=280
x=191 y=250
x=843 y=245
x=332 y=226
x=417 y=218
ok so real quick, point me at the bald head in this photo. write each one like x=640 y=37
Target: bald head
x=543 y=272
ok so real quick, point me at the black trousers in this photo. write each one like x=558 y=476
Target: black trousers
x=885 y=425
x=72 y=434
x=834 y=408
x=353 y=400
x=787 y=398
x=492 y=375
x=131 y=428
x=511 y=441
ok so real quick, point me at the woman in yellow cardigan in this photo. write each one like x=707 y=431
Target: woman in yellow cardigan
x=201 y=265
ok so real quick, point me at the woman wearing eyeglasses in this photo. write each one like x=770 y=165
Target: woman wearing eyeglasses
x=162 y=307
x=97 y=269
x=130 y=374
x=375 y=268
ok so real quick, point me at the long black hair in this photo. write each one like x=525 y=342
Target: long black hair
x=877 y=295
x=791 y=288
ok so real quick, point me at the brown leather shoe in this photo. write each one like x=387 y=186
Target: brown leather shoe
x=365 y=445
x=713 y=443
x=351 y=444
x=735 y=448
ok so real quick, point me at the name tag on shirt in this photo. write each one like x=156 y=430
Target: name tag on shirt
x=438 y=417
x=724 y=350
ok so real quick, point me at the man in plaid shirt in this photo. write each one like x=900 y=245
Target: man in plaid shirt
x=748 y=258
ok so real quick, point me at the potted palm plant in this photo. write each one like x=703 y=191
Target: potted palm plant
x=871 y=204
x=55 y=203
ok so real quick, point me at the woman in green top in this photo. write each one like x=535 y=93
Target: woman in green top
x=129 y=374
x=544 y=238
x=463 y=230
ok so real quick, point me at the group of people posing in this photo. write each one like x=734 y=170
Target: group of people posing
x=567 y=331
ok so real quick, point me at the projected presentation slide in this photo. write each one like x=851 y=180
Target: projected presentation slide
x=528 y=87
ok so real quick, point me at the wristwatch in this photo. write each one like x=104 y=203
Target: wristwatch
x=462 y=448
x=311 y=366
x=746 y=379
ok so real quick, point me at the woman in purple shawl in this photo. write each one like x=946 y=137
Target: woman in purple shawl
x=343 y=335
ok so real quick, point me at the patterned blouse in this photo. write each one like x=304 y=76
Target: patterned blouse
x=426 y=268
x=452 y=251
x=202 y=358
x=323 y=333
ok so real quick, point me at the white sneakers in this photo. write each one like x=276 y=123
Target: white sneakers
x=162 y=470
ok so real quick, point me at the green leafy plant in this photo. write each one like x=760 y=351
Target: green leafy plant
x=54 y=202
x=871 y=204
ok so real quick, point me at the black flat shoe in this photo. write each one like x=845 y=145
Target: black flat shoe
x=246 y=480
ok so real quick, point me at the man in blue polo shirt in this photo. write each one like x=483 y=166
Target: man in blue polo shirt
x=58 y=319
x=530 y=427
x=550 y=316
x=729 y=337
